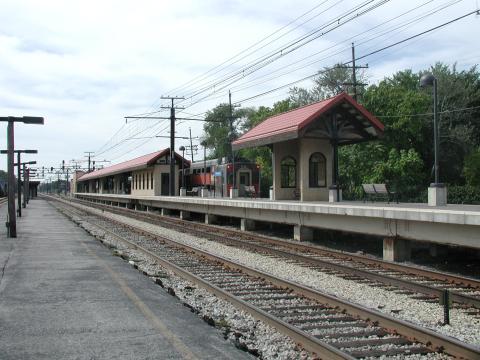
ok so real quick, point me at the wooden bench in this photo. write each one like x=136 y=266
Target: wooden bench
x=193 y=192
x=375 y=191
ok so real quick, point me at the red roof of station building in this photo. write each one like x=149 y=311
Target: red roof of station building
x=288 y=125
x=130 y=165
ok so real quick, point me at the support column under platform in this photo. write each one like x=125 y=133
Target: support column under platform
x=302 y=233
x=211 y=219
x=185 y=215
x=396 y=249
x=166 y=212
x=247 y=224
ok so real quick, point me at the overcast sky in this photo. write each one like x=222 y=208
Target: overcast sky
x=85 y=65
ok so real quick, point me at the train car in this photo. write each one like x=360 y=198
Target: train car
x=219 y=177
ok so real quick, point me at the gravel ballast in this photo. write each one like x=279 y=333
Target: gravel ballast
x=463 y=326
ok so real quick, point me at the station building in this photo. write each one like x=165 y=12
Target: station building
x=304 y=144
x=146 y=175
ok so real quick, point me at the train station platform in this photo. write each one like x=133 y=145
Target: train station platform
x=456 y=225
x=64 y=296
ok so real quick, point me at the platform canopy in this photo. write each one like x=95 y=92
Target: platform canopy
x=138 y=163
x=339 y=118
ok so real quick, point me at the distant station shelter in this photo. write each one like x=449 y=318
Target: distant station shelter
x=146 y=175
x=304 y=144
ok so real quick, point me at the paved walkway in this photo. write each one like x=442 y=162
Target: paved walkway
x=64 y=296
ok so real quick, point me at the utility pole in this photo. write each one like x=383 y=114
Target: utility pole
x=191 y=143
x=172 y=140
x=354 y=68
x=89 y=155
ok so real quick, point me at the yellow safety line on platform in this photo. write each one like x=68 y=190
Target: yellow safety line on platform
x=178 y=344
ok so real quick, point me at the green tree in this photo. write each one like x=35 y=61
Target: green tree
x=471 y=169
x=218 y=137
x=328 y=83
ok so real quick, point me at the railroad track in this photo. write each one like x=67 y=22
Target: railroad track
x=327 y=326
x=421 y=284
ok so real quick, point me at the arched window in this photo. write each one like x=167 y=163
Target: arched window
x=317 y=170
x=288 y=172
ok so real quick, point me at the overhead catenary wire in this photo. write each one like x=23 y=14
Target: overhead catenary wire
x=433 y=11
x=304 y=78
x=257 y=64
x=429 y=113
x=248 y=84
x=363 y=56
x=441 y=7
x=194 y=80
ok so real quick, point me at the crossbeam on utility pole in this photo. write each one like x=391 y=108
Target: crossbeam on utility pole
x=172 y=139
x=354 y=68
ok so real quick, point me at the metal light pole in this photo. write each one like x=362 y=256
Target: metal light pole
x=182 y=149
x=437 y=194
x=12 y=221
x=204 y=144
x=430 y=80
x=19 y=176
x=19 y=187
x=26 y=179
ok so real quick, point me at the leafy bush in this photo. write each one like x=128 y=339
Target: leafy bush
x=463 y=194
x=471 y=169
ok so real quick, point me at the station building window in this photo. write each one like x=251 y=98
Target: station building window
x=143 y=181
x=288 y=172
x=317 y=170
x=151 y=180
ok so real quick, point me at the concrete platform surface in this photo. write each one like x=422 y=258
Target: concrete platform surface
x=64 y=296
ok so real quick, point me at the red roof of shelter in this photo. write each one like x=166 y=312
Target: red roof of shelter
x=130 y=165
x=289 y=125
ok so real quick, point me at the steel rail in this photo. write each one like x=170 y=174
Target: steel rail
x=408 y=269
x=382 y=278
x=434 y=341
x=307 y=341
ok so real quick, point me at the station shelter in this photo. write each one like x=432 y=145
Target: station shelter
x=304 y=144
x=145 y=175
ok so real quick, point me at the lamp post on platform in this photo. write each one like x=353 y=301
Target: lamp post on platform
x=183 y=189
x=204 y=189
x=26 y=182
x=437 y=192
x=12 y=221
x=19 y=178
